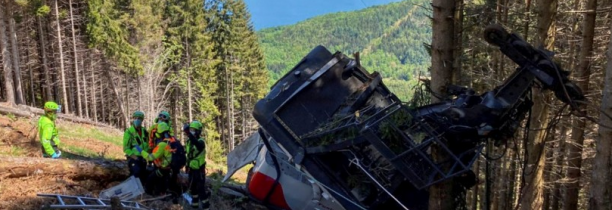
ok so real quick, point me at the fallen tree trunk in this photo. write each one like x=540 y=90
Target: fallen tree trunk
x=15 y=167
x=16 y=112
x=27 y=111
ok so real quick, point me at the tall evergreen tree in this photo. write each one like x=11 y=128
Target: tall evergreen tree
x=241 y=72
x=219 y=19
x=195 y=61
x=105 y=31
x=251 y=74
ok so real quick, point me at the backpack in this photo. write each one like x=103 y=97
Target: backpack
x=151 y=136
x=179 y=157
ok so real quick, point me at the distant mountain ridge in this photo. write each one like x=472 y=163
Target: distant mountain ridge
x=389 y=38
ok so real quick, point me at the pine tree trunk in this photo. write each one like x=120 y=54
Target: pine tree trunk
x=497 y=185
x=189 y=96
x=488 y=179
x=527 y=21
x=150 y=96
x=243 y=114
x=518 y=179
x=19 y=98
x=31 y=78
x=442 y=196
x=173 y=103
x=115 y=91
x=181 y=115
x=138 y=84
x=85 y=91
x=558 y=169
x=574 y=149
x=231 y=115
x=76 y=62
x=559 y=192
x=227 y=109
x=103 y=105
x=504 y=170
x=476 y=187
x=533 y=192
x=61 y=59
x=126 y=78
x=457 y=64
x=43 y=53
x=94 y=88
x=483 y=184
x=103 y=94
x=6 y=59
x=509 y=202
x=600 y=193
x=547 y=174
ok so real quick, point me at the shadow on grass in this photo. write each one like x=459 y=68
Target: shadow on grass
x=74 y=156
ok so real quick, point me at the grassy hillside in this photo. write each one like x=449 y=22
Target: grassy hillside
x=79 y=142
x=389 y=37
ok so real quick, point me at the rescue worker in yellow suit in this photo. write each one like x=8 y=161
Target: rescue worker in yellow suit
x=157 y=181
x=136 y=135
x=48 y=132
x=196 y=164
x=163 y=116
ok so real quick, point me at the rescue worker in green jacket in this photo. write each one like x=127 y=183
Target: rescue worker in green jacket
x=196 y=164
x=163 y=116
x=48 y=132
x=136 y=135
x=161 y=155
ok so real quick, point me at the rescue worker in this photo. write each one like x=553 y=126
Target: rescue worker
x=157 y=181
x=48 y=132
x=136 y=135
x=163 y=116
x=196 y=164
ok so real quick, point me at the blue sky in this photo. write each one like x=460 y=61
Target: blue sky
x=270 y=13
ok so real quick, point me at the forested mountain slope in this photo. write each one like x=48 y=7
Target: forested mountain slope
x=390 y=39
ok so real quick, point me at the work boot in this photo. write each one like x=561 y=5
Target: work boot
x=204 y=204
x=195 y=202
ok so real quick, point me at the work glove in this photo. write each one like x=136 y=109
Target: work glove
x=194 y=164
x=56 y=155
x=138 y=149
x=186 y=127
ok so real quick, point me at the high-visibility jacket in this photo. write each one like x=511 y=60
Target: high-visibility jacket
x=196 y=153
x=161 y=154
x=153 y=130
x=47 y=134
x=131 y=138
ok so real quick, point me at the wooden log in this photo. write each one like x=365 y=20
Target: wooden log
x=15 y=167
x=29 y=112
x=16 y=112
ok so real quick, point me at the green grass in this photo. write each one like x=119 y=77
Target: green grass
x=12 y=117
x=79 y=151
x=79 y=132
x=74 y=152
x=15 y=151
